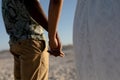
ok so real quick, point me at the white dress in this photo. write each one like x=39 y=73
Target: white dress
x=96 y=39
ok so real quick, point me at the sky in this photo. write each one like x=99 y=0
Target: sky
x=65 y=25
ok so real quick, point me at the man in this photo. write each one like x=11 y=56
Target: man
x=24 y=20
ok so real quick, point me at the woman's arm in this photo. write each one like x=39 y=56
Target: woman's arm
x=55 y=8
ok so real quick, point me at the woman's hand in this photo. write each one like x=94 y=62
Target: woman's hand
x=56 y=47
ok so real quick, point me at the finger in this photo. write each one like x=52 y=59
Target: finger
x=56 y=53
x=53 y=53
x=62 y=54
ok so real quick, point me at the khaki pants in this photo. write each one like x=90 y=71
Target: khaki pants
x=31 y=60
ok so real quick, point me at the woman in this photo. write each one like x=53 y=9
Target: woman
x=96 y=38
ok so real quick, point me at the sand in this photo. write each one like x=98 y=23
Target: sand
x=60 y=68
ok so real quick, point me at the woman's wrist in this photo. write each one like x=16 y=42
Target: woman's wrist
x=52 y=36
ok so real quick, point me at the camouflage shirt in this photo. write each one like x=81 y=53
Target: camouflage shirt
x=19 y=24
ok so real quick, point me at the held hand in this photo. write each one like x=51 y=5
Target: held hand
x=55 y=47
x=53 y=44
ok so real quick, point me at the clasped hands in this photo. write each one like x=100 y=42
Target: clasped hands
x=55 y=47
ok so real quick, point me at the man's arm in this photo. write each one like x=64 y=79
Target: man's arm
x=36 y=12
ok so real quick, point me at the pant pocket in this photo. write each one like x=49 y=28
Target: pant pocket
x=33 y=46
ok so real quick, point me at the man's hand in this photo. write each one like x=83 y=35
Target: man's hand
x=56 y=53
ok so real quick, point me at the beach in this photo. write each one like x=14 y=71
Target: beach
x=60 y=68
